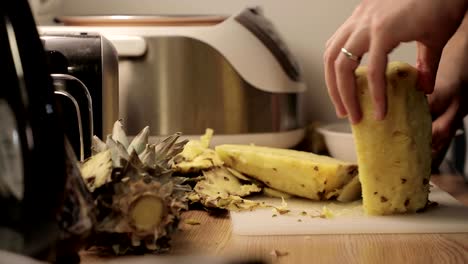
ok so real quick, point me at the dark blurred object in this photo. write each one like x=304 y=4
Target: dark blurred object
x=32 y=157
x=46 y=214
x=77 y=217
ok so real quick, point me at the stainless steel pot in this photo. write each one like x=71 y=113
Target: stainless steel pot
x=233 y=74
x=182 y=84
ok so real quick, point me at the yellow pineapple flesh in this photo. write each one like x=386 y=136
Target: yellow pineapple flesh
x=295 y=172
x=394 y=155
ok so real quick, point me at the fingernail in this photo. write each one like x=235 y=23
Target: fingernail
x=340 y=114
x=353 y=120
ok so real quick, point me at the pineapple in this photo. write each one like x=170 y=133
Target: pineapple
x=216 y=186
x=138 y=200
x=97 y=170
x=350 y=192
x=197 y=156
x=221 y=189
x=295 y=172
x=394 y=155
x=275 y=193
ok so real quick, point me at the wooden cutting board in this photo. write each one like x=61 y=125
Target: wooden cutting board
x=450 y=216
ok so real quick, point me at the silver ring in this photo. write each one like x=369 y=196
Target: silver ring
x=350 y=55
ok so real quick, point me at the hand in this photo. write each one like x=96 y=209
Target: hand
x=377 y=27
x=448 y=101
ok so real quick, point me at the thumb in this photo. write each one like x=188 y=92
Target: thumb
x=427 y=64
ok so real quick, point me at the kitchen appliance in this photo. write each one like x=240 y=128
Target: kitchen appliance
x=32 y=153
x=85 y=69
x=187 y=73
x=77 y=108
x=449 y=216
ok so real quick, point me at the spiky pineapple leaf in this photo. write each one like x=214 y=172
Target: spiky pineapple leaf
x=98 y=145
x=118 y=151
x=140 y=141
x=118 y=133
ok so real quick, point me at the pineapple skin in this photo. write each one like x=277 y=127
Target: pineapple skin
x=298 y=173
x=394 y=155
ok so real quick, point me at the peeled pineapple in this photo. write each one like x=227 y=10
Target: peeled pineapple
x=138 y=200
x=299 y=173
x=275 y=193
x=394 y=155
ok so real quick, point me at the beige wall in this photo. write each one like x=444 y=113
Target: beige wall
x=304 y=24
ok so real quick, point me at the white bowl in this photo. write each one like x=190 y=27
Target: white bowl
x=339 y=141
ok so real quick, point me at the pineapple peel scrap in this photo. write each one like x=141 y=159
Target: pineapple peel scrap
x=244 y=178
x=197 y=156
x=220 y=189
x=205 y=140
x=326 y=213
x=191 y=221
x=97 y=170
x=282 y=209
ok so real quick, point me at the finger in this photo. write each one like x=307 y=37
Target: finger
x=427 y=63
x=443 y=130
x=435 y=105
x=330 y=56
x=347 y=24
x=333 y=47
x=440 y=100
x=441 y=139
x=380 y=46
x=357 y=44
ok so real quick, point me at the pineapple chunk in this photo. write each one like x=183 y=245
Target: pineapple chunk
x=394 y=155
x=294 y=172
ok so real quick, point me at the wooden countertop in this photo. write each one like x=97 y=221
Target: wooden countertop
x=213 y=238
